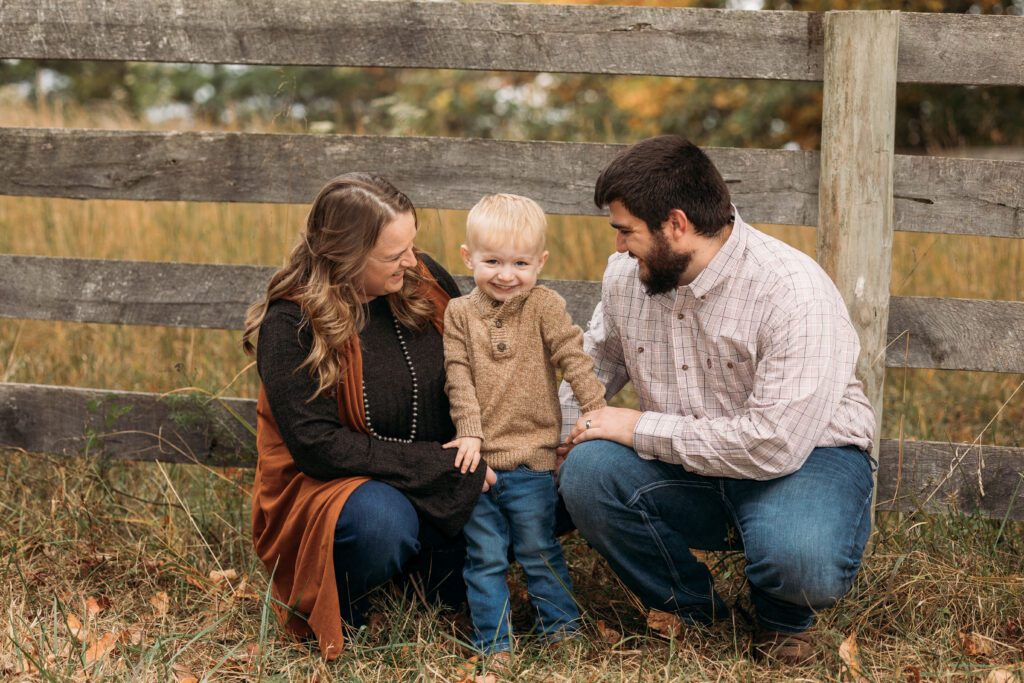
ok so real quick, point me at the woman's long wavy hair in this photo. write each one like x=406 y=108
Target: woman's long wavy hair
x=322 y=273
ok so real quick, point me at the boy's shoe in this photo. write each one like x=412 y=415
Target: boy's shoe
x=793 y=649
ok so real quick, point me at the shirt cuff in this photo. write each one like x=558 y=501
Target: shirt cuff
x=653 y=436
x=469 y=426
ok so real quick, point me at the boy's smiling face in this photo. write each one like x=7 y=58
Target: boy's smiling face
x=503 y=271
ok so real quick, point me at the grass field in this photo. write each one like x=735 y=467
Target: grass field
x=116 y=571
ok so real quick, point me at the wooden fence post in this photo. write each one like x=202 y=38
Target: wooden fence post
x=855 y=188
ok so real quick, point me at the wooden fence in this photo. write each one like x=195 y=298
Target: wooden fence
x=856 y=191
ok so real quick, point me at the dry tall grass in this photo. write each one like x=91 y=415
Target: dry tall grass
x=108 y=568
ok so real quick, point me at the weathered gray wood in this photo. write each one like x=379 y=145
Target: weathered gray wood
x=939 y=477
x=956 y=334
x=855 y=195
x=126 y=425
x=449 y=173
x=936 y=48
x=452 y=35
x=951 y=334
x=129 y=292
x=140 y=426
x=961 y=48
x=961 y=196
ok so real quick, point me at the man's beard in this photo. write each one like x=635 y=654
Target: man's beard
x=664 y=267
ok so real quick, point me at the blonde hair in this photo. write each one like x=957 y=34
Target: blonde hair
x=506 y=219
x=343 y=226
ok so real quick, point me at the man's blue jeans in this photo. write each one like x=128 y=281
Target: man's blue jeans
x=519 y=508
x=379 y=537
x=803 y=534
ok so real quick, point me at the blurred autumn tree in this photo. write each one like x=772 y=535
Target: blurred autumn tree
x=713 y=112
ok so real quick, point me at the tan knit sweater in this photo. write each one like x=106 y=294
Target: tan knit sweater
x=500 y=359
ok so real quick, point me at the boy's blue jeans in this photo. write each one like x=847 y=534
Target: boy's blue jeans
x=518 y=509
x=803 y=534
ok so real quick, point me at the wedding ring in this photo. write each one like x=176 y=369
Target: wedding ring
x=586 y=425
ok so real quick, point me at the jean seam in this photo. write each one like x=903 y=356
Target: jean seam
x=666 y=558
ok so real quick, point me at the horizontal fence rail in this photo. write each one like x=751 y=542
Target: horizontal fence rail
x=933 y=48
x=957 y=196
x=924 y=332
x=192 y=428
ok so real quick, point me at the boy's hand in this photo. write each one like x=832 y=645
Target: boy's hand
x=490 y=479
x=468 y=456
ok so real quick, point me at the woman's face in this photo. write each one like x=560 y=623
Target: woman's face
x=390 y=257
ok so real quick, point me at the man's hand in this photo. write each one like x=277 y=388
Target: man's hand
x=468 y=456
x=613 y=424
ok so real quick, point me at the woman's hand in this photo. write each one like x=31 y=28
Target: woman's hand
x=468 y=456
x=490 y=478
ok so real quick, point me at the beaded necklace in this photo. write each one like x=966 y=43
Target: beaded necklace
x=415 y=394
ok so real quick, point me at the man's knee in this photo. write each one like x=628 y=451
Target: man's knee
x=591 y=472
x=800 y=570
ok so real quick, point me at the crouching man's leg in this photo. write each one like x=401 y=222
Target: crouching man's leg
x=803 y=536
x=643 y=516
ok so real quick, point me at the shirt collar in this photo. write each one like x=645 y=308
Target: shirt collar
x=726 y=262
x=492 y=308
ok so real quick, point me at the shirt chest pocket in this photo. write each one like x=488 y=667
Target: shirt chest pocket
x=730 y=378
x=649 y=360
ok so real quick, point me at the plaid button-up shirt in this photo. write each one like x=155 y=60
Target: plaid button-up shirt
x=739 y=374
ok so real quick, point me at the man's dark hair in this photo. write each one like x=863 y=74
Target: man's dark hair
x=663 y=173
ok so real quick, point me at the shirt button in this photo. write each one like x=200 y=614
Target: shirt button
x=685 y=366
x=501 y=346
x=709 y=362
x=681 y=316
x=640 y=349
x=497 y=323
x=729 y=365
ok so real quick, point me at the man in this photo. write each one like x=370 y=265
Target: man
x=753 y=432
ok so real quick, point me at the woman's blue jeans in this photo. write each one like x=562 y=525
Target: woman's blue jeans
x=379 y=537
x=518 y=509
x=803 y=534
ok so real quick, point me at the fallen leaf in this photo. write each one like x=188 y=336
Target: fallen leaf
x=131 y=635
x=468 y=670
x=243 y=592
x=913 y=674
x=75 y=626
x=607 y=634
x=975 y=645
x=850 y=654
x=94 y=606
x=193 y=581
x=222 y=576
x=183 y=674
x=99 y=649
x=1001 y=676
x=664 y=624
x=161 y=603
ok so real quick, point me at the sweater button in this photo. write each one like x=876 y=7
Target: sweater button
x=501 y=346
x=497 y=323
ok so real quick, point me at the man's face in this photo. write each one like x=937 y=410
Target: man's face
x=661 y=267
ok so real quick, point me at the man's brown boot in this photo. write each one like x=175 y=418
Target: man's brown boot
x=793 y=649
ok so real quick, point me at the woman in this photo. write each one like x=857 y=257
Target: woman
x=353 y=487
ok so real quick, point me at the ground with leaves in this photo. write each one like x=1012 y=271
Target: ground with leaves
x=144 y=571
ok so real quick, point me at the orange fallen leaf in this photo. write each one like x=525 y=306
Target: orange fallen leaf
x=850 y=654
x=222 y=576
x=664 y=624
x=243 y=592
x=99 y=649
x=131 y=635
x=94 y=606
x=975 y=645
x=1002 y=676
x=183 y=674
x=193 y=581
x=76 y=628
x=607 y=634
x=161 y=603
